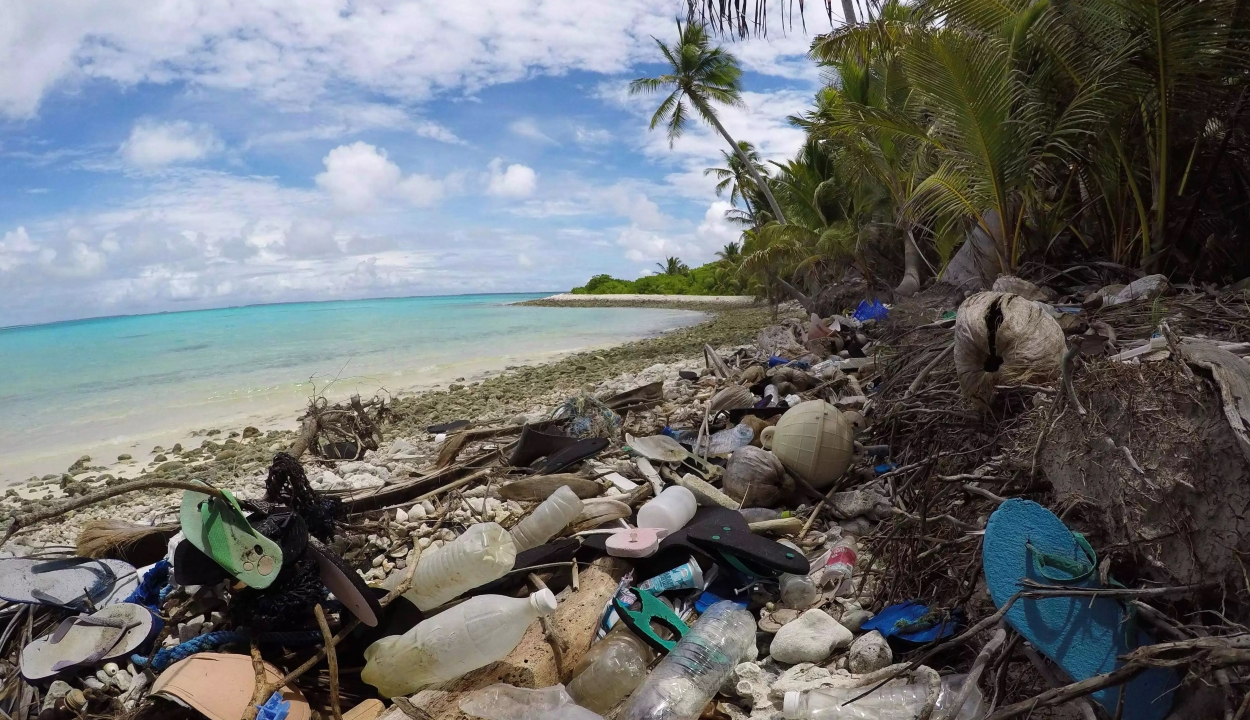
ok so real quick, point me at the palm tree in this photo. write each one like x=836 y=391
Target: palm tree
x=734 y=177
x=731 y=253
x=700 y=75
x=673 y=266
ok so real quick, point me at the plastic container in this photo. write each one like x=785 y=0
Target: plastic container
x=759 y=514
x=901 y=702
x=688 y=576
x=730 y=439
x=610 y=670
x=475 y=633
x=840 y=566
x=553 y=515
x=680 y=686
x=798 y=591
x=485 y=552
x=814 y=441
x=670 y=511
x=505 y=702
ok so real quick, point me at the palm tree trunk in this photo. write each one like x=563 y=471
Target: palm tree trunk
x=848 y=12
x=746 y=162
x=911 y=267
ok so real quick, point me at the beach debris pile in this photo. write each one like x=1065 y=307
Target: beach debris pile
x=952 y=507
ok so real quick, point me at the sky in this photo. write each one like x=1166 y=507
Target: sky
x=164 y=155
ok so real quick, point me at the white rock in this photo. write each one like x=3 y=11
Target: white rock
x=417 y=512
x=429 y=507
x=854 y=619
x=401 y=517
x=811 y=638
x=868 y=653
x=362 y=481
x=401 y=446
x=475 y=504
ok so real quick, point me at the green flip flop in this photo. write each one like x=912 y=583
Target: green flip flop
x=220 y=531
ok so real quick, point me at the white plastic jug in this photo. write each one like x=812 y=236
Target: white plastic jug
x=473 y=634
x=553 y=515
x=670 y=511
x=485 y=552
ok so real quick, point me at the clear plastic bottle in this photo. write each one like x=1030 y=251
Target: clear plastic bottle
x=696 y=668
x=610 y=671
x=553 y=515
x=798 y=591
x=485 y=552
x=730 y=439
x=841 y=564
x=670 y=511
x=505 y=702
x=475 y=633
x=901 y=702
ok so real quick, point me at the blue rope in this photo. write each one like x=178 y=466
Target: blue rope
x=209 y=641
x=152 y=588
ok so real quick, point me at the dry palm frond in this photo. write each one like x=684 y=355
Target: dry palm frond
x=112 y=538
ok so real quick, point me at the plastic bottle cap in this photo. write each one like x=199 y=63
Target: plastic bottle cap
x=790 y=705
x=544 y=601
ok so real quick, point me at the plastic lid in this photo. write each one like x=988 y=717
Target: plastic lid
x=544 y=601
x=790 y=705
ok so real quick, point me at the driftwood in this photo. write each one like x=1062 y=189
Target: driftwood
x=35 y=517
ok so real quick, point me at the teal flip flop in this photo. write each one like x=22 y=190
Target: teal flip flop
x=1083 y=635
x=219 y=530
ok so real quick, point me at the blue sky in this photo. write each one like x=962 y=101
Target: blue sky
x=183 y=154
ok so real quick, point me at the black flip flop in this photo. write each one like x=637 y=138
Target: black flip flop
x=345 y=583
x=720 y=536
x=561 y=460
x=534 y=444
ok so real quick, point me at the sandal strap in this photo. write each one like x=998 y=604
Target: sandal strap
x=1074 y=571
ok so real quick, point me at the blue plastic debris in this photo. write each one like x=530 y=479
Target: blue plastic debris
x=871 y=311
x=274 y=708
x=913 y=622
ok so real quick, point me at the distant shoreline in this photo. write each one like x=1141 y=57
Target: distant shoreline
x=237 y=463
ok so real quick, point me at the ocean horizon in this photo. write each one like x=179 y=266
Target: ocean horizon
x=122 y=384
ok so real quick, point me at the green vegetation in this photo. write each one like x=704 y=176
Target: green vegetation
x=987 y=136
x=714 y=278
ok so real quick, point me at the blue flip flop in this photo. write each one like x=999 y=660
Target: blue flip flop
x=1083 y=635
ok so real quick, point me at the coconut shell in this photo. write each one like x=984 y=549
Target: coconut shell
x=754 y=477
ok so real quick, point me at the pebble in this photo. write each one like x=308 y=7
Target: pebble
x=811 y=638
x=186 y=631
x=854 y=620
x=868 y=653
x=417 y=512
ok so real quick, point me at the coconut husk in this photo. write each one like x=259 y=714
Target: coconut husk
x=540 y=487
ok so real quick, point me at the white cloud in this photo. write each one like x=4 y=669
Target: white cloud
x=359 y=177
x=291 y=53
x=153 y=144
x=515 y=181
x=528 y=129
x=339 y=120
x=694 y=247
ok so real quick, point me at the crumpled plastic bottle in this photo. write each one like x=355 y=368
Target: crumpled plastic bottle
x=900 y=702
x=692 y=672
x=730 y=439
x=505 y=702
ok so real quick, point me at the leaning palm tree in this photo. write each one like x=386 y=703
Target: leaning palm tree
x=700 y=75
x=734 y=179
x=673 y=266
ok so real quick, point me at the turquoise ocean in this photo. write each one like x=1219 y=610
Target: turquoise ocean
x=115 y=385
